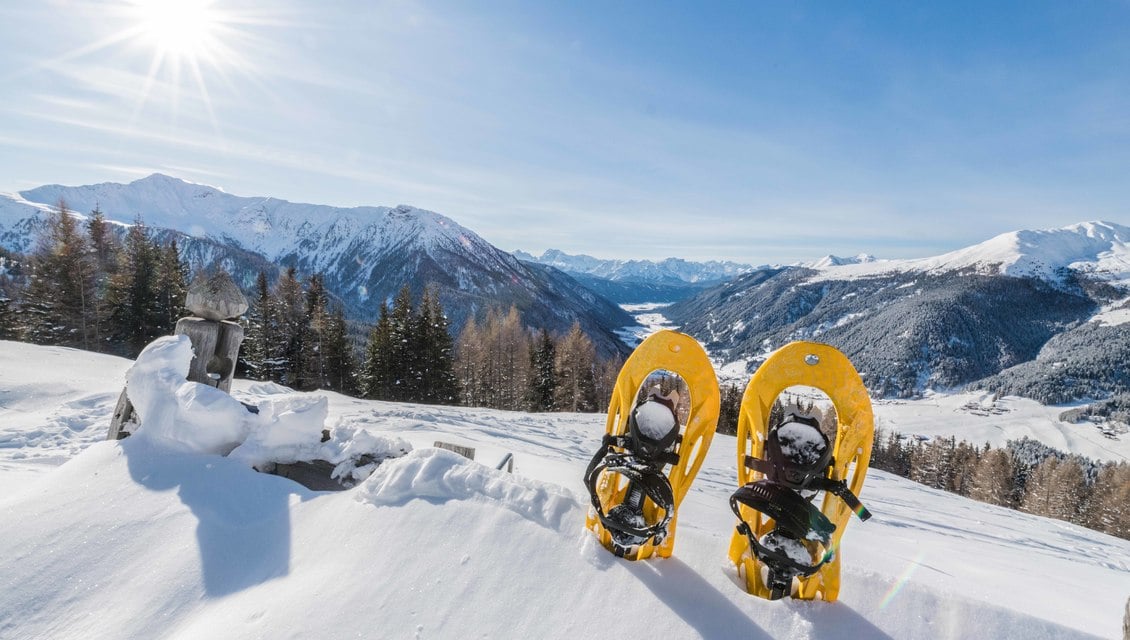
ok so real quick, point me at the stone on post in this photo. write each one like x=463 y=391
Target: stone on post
x=215 y=303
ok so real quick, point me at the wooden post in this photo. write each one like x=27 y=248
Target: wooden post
x=215 y=302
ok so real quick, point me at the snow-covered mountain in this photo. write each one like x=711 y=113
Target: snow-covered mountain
x=365 y=253
x=838 y=261
x=143 y=539
x=668 y=271
x=1097 y=249
x=635 y=281
x=1047 y=303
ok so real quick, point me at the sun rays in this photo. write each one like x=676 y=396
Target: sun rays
x=166 y=58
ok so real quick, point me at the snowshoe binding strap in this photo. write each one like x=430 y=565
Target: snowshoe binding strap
x=625 y=521
x=783 y=550
x=649 y=446
x=798 y=455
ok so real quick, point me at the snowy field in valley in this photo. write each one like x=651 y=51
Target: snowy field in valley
x=143 y=538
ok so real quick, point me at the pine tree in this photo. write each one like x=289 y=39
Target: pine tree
x=729 y=408
x=132 y=294
x=171 y=287
x=294 y=329
x=59 y=302
x=470 y=364
x=993 y=478
x=402 y=362
x=543 y=379
x=256 y=354
x=1068 y=491
x=340 y=362
x=1108 y=507
x=376 y=370
x=9 y=323
x=105 y=249
x=435 y=358
x=963 y=466
x=312 y=358
x=1040 y=488
x=575 y=359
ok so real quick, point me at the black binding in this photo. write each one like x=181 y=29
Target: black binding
x=795 y=517
x=641 y=460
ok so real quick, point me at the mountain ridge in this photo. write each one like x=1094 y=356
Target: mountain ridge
x=365 y=253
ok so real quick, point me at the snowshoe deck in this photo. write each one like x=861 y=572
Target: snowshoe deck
x=627 y=489
x=824 y=368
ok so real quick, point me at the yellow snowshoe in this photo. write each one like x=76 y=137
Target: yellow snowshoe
x=653 y=446
x=784 y=544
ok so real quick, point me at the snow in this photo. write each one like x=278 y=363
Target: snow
x=1098 y=248
x=801 y=442
x=649 y=320
x=135 y=539
x=1113 y=315
x=654 y=420
x=270 y=226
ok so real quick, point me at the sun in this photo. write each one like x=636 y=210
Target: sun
x=179 y=28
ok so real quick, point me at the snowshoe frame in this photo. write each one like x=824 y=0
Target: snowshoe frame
x=825 y=368
x=682 y=355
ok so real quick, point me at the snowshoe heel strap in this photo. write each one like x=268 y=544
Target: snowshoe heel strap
x=642 y=476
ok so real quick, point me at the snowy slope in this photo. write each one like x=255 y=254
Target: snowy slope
x=1098 y=248
x=134 y=540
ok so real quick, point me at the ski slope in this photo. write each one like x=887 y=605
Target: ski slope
x=140 y=539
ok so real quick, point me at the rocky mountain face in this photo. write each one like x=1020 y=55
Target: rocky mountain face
x=1035 y=313
x=365 y=253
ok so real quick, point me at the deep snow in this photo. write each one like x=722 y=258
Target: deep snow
x=138 y=539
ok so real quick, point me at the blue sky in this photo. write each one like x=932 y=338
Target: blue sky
x=750 y=131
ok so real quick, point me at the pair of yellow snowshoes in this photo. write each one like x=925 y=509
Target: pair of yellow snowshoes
x=656 y=440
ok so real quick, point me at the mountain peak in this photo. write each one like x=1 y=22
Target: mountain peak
x=1097 y=247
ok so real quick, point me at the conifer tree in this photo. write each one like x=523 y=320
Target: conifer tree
x=1108 y=507
x=729 y=408
x=59 y=301
x=992 y=480
x=376 y=370
x=509 y=345
x=963 y=465
x=9 y=323
x=575 y=359
x=435 y=356
x=132 y=295
x=171 y=288
x=1040 y=488
x=104 y=248
x=543 y=379
x=294 y=329
x=256 y=355
x=313 y=362
x=470 y=364
x=340 y=362
x=402 y=363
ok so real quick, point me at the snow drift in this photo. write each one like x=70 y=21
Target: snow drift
x=135 y=539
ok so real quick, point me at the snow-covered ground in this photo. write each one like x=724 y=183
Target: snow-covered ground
x=649 y=319
x=137 y=539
